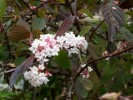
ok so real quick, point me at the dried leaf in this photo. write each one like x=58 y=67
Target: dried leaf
x=18 y=33
x=20 y=70
x=110 y=96
x=65 y=26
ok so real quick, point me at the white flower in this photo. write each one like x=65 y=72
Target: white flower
x=36 y=76
x=83 y=65
x=44 y=47
x=89 y=69
x=72 y=44
x=86 y=72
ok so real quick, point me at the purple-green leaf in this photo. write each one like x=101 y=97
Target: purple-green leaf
x=20 y=70
x=114 y=18
x=65 y=25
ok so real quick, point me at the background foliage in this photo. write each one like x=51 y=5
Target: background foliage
x=109 y=34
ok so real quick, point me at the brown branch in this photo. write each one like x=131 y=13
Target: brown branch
x=69 y=96
x=104 y=57
x=52 y=71
x=32 y=10
x=94 y=30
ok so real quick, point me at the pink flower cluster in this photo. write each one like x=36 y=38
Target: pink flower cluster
x=36 y=76
x=44 y=47
x=47 y=46
x=72 y=44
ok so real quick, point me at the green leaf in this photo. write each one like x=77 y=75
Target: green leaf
x=88 y=85
x=38 y=24
x=84 y=30
x=80 y=90
x=3 y=53
x=2 y=8
x=87 y=12
x=95 y=80
x=4 y=95
x=19 y=60
x=63 y=60
x=127 y=35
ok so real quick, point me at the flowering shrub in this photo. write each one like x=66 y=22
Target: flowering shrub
x=69 y=37
x=47 y=46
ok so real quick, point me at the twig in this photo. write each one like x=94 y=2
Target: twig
x=70 y=91
x=8 y=71
x=123 y=44
x=93 y=31
x=32 y=10
x=110 y=55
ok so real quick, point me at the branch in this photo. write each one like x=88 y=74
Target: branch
x=32 y=10
x=8 y=71
x=94 y=30
x=110 y=55
x=52 y=71
x=70 y=91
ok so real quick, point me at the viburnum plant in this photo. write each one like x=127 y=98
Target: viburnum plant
x=48 y=46
x=66 y=49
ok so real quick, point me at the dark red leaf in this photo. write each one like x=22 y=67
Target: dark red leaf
x=65 y=26
x=20 y=70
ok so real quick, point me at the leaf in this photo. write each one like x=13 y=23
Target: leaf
x=3 y=4
x=95 y=80
x=38 y=23
x=23 y=23
x=65 y=25
x=3 y=53
x=87 y=12
x=6 y=95
x=110 y=96
x=37 y=33
x=84 y=30
x=18 y=33
x=114 y=18
x=87 y=84
x=80 y=90
x=127 y=35
x=65 y=63
x=20 y=70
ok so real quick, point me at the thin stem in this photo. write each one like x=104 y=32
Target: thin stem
x=8 y=71
x=93 y=31
x=69 y=97
x=104 y=57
